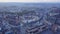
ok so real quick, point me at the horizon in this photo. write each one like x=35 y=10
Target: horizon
x=32 y=1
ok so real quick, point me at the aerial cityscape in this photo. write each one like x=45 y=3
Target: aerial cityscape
x=29 y=18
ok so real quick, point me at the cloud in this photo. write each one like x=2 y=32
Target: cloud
x=29 y=0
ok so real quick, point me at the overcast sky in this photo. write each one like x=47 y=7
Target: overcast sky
x=30 y=1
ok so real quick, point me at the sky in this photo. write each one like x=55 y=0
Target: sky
x=30 y=1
